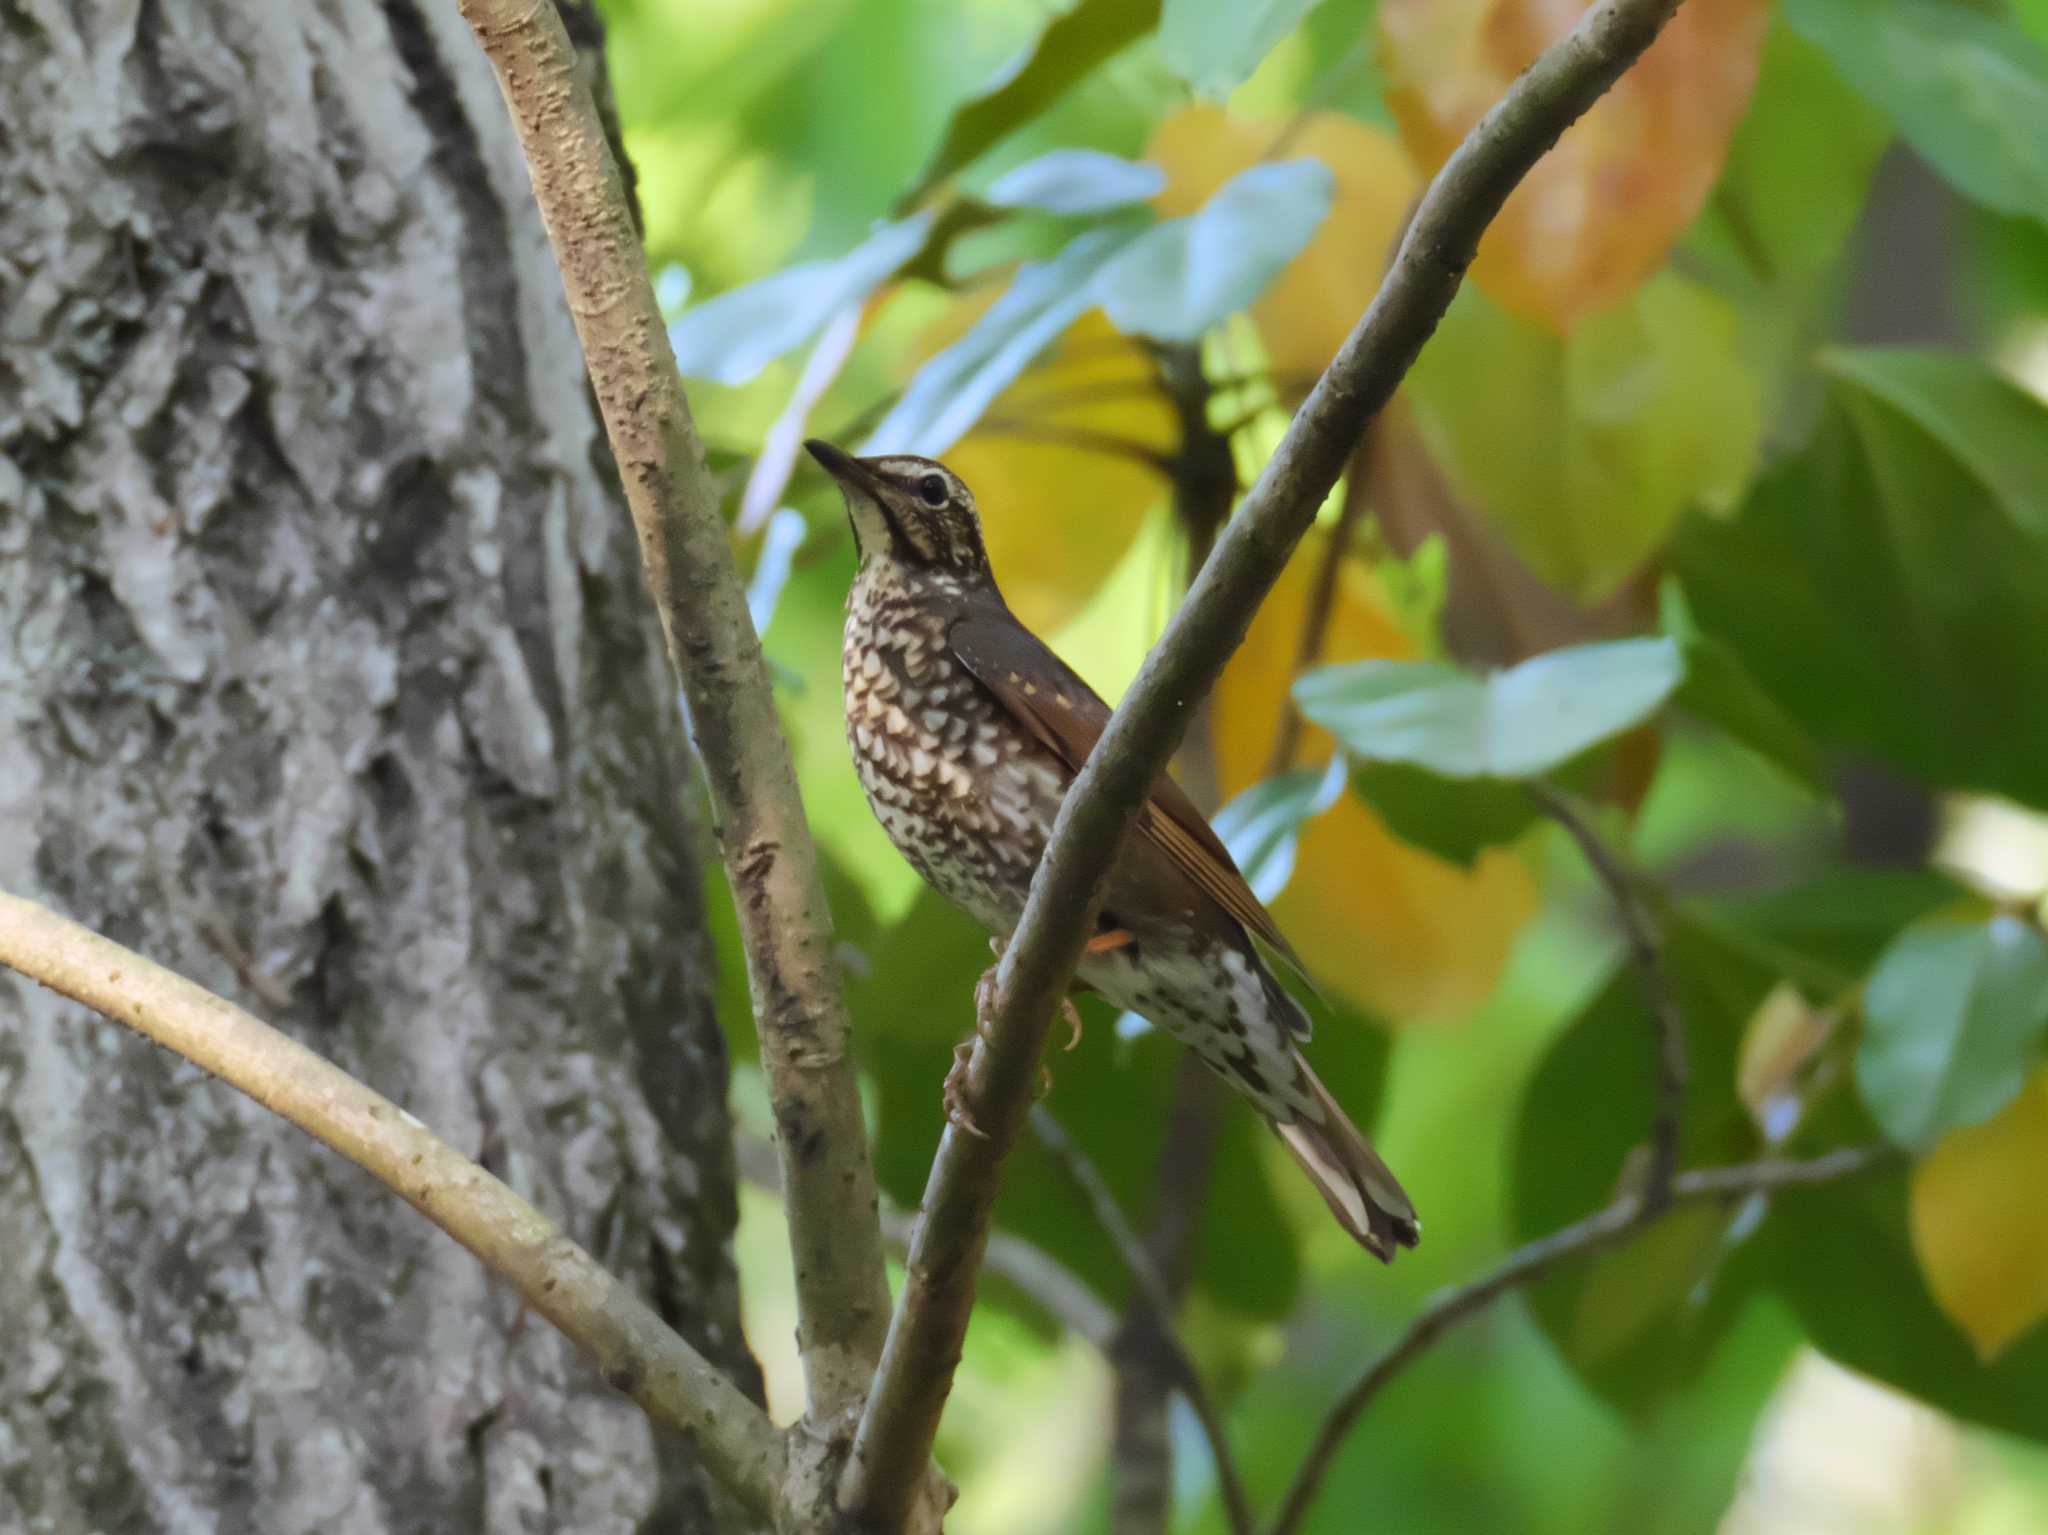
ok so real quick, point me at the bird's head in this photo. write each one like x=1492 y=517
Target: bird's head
x=912 y=511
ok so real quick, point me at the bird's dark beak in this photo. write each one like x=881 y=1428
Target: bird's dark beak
x=863 y=489
x=841 y=465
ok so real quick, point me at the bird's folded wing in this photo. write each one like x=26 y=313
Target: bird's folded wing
x=1048 y=698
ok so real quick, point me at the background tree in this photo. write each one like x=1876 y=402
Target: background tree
x=330 y=682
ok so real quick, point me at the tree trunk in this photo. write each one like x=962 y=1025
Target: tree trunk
x=326 y=678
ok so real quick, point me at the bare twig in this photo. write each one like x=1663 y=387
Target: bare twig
x=1530 y=1262
x=835 y=1232
x=1159 y=1304
x=1645 y=938
x=901 y=1419
x=1322 y=598
x=637 y=1352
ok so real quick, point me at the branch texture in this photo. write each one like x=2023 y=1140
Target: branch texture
x=1645 y=940
x=638 y=1353
x=1605 y=1228
x=902 y=1414
x=834 y=1222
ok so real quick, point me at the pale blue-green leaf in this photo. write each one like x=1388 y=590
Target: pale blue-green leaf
x=1215 y=45
x=1185 y=276
x=731 y=338
x=1968 y=90
x=1519 y=723
x=1954 y=1017
x=1073 y=181
x=951 y=391
x=1262 y=826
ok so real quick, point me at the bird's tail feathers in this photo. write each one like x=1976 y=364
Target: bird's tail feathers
x=1360 y=1189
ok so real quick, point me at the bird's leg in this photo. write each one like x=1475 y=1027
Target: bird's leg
x=1105 y=942
x=954 y=1093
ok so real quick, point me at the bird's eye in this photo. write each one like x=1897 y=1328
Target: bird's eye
x=933 y=490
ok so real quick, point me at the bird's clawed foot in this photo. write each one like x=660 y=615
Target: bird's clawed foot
x=954 y=1094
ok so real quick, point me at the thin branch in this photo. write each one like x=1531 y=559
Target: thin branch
x=1322 y=599
x=835 y=1231
x=637 y=1352
x=1603 y=1229
x=901 y=1419
x=1645 y=938
x=1159 y=1301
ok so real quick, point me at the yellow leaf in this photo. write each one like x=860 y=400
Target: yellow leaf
x=1598 y=213
x=1399 y=931
x=1312 y=305
x=1980 y=1227
x=1051 y=465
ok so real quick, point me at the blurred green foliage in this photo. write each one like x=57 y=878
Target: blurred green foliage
x=1670 y=518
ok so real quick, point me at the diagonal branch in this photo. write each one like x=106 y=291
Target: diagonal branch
x=1645 y=938
x=1603 y=1229
x=835 y=1231
x=901 y=1419
x=637 y=1352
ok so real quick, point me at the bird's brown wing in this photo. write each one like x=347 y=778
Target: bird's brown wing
x=1049 y=698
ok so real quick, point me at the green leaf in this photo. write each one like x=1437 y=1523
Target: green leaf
x=1185 y=276
x=1954 y=1017
x=1638 y=1323
x=1215 y=47
x=1842 y=1256
x=1583 y=450
x=1454 y=818
x=731 y=338
x=1262 y=826
x=951 y=391
x=1718 y=690
x=1074 y=181
x=1799 y=169
x=1886 y=584
x=1519 y=723
x=1968 y=90
x=1071 y=46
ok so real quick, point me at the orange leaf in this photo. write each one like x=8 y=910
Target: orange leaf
x=1599 y=212
x=1980 y=1228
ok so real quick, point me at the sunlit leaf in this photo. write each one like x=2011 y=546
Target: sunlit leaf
x=732 y=337
x=1182 y=277
x=1598 y=213
x=1400 y=932
x=1519 y=723
x=1069 y=47
x=1981 y=1243
x=1954 y=1017
x=1968 y=90
x=950 y=392
x=1585 y=450
x=1321 y=293
x=1886 y=584
x=1215 y=47
x=1072 y=181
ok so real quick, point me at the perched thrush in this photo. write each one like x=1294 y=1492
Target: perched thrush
x=966 y=732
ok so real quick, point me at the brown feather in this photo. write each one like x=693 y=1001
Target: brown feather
x=1068 y=717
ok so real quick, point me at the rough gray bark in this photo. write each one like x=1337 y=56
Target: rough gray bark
x=326 y=677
